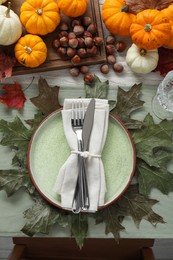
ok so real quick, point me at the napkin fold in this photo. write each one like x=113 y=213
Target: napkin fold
x=67 y=177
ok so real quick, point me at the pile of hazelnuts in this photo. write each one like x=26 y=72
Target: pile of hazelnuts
x=76 y=40
x=112 y=47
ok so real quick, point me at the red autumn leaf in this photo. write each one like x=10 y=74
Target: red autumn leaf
x=14 y=96
x=6 y=65
x=165 y=63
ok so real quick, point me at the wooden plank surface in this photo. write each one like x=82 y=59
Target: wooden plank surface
x=53 y=61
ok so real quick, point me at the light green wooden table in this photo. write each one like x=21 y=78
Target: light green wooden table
x=11 y=209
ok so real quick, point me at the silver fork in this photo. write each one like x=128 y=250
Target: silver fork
x=81 y=198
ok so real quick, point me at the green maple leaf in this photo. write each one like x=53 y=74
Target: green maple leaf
x=138 y=206
x=152 y=177
x=112 y=217
x=79 y=227
x=127 y=102
x=33 y=123
x=152 y=136
x=12 y=180
x=14 y=133
x=41 y=217
x=97 y=89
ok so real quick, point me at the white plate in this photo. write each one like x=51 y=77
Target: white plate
x=48 y=150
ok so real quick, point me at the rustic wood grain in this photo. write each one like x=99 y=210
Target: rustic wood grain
x=53 y=61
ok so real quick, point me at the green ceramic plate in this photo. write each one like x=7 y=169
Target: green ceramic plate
x=48 y=150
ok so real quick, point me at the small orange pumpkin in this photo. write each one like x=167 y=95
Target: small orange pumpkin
x=30 y=51
x=116 y=17
x=150 y=30
x=73 y=8
x=169 y=13
x=39 y=17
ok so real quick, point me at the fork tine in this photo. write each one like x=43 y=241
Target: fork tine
x=78 y=112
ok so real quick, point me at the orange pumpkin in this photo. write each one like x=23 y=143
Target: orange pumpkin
x=150 y=30
x=39 y=16
x=73 y=8
x=169 y=13
x=30 y=50
x=116 y=17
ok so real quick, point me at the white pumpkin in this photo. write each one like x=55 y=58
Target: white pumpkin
x=140 y=60
x=10 y=25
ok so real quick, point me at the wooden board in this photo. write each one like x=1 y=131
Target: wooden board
x=53 y=61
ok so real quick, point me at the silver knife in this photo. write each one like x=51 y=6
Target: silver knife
x=86 y=133
x=88 y=124
x=81 y=195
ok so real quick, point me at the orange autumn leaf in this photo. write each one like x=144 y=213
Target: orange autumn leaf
x=14 y=96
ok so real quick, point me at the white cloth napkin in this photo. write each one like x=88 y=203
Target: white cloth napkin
x=67 y=176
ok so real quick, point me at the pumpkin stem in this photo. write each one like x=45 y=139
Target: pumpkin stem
x=28 y=49
x=7 y=13
x=39 y=11
x=143 y=52
x=147 y=27
x=124 y=9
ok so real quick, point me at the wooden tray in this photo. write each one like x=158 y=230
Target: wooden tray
x=53 y=61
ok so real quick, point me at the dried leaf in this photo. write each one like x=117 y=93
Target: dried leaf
x=14 y=96
x=165 y=63
x=136 y=6
x=47 y=101
x=127 y=102
x=150 y=137
x=6 y=65
x=112 y=217
x=40 y=218
x=79 y=228
x=97 y=89
x=138 y=206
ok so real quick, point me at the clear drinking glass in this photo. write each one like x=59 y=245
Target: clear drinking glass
x=162 y=103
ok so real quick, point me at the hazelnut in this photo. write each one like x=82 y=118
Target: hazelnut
x=104 y=68
x=75 y=22
x=111 y=59
x=92 y=51
x=73 y=43
x=82 y=52
x=98 y=41
x=81 y=42
x=84 y=69
x=78 y=30
x=62 y=51
x=110 y=39
x=88 y=78
x=63 y=26
x=86 y=21
x=64 y=41
x=74 y=71
x=63 y=33
x=92 y=28
x=75 y=59
x=56 y=43
x=120 y=46
x=110 y=49
x=87 y=34
x=89 y=42
x=117 y=67
x=71 y=52
x=71 y=35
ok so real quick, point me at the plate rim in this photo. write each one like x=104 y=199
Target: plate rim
x=112 y=115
